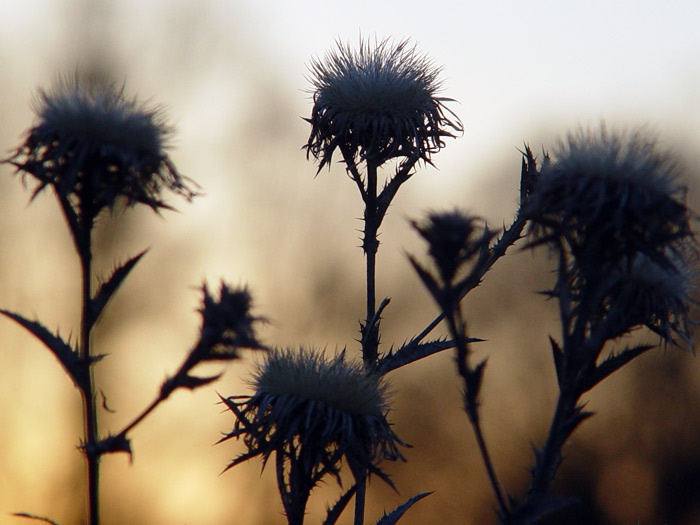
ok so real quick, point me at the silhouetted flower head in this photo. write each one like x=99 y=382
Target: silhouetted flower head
x=615 y=206
x=313 y=411
x=454 y=238
x=376 y=103
x=646 y=293
x=227 y=322
x=228 y=326
x=95 y=146
x=608 y=196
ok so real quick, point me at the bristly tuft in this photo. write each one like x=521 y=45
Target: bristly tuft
x=94 y=147
x=315 y=411
x=376 y=103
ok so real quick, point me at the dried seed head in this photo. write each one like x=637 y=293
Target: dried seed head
x=376 y=103
x=609 y=196
x=646 y=293
x=227 y=323
x=453 y=238
x=94 y=146
x=317 y=410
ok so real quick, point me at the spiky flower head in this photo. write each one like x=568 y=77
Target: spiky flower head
x=613 y=206
x=609 y=196
x=228 y=326
x=94 y=146
x=377 y=102
x=658 y=296
x=227 y=322
x=313 y=411
x=454 y=238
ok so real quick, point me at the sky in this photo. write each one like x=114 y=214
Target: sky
x=233 y=78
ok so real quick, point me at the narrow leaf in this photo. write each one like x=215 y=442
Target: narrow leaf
x=612 y=364
x=337 y=509
x=475 y=379
x=65 y=353
x=428 y=280
x=395 y=515
x=192 y=382
x=578 y=416
x=411 y=352
x=110 y=286
x=33 y=517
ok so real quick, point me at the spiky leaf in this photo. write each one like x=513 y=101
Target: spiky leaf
x=612 y=364
x=337 y=509
x=395 y=515
x=411 y=352
x=110 y=286
x=557 y=354
x=67 y=356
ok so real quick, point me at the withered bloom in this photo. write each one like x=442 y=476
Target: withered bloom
x=94 y=146
x=614 y=205
x=658 y=296
x=454 y=239
x=228 y=326
x=312 y=412
x=377 y=103
x=609 y=195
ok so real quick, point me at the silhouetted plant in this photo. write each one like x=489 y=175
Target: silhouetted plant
x=375 y=104
x=611 y=210
x=99 y=151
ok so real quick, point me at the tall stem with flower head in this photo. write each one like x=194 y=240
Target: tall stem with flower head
x=455 y=241
x=98 y=151
x=376 y=104
x=612 y=211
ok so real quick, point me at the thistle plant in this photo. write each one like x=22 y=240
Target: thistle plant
x=100 y=152
x=375 y=104
x=610 y=209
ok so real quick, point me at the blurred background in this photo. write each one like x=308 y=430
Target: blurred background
x=232 y=76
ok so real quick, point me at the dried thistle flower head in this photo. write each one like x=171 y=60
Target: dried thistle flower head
x=608 y=196
x=313 y=411
x=227 y=327
x=227 y=323
x=95 y=146
x=658 y=296
x=453 y=238
x=376 y=103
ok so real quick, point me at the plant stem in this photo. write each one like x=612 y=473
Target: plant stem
x=92 y=453
x=360 y=500
x=370 y=245
x=457 y=327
